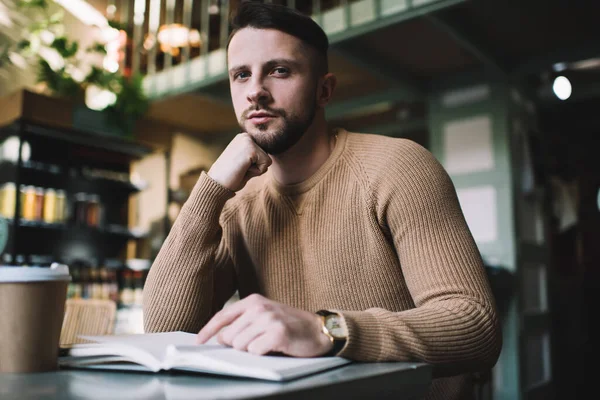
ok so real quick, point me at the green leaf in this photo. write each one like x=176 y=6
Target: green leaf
x=131 y=103
x=59 y=82
x=64 y=48
x=96 y=48
x=24 y=45
x=43 y=4
x=117 y=25
x=56 y=18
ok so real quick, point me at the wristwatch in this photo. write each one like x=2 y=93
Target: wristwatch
x=335 y=329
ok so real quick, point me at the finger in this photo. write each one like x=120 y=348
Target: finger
x=218 y=322
x=259 y=156
x=226 y=316
x=264 y=162
x=228 y=334
x=261 y=345
x=255 y=170
x=247 y=335
x=261 y=160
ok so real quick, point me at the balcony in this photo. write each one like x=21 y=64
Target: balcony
x=388 y=55
x=194 y=72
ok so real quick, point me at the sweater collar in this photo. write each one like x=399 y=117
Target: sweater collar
x=306 y=185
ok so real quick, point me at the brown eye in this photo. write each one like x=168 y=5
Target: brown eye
x=280 y=71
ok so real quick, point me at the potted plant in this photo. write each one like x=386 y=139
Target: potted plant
x=105 y=99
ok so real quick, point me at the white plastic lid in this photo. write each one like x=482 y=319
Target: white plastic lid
x=56 y=272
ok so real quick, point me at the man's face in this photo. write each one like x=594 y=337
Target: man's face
x=273 y=87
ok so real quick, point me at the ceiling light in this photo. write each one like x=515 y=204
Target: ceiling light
x=562 y=87
x=173 y=35
x=559 y=67
x=195 y=39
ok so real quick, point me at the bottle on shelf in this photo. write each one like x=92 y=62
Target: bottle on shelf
x=8 y=194
x=126 y=289
x=20 y=260
x=49 y=215
x=77 y=289
x=72 y=284
x=86 y=284
x=93 y=210
x=138 y=286
x=28 y=201
x=96 y=280
x=80 y=209
x=113 y=285
x=39 y=204
x=105 y=282
x=60 y=206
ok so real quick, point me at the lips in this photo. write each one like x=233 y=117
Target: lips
x=260 y=117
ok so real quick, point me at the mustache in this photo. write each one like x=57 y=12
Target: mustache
x=275 y=111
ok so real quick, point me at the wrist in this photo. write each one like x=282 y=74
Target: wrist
x=219 y=180
x=334 y=329
x=325 y=341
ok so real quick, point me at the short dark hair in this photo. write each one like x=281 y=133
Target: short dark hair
x=253 y=14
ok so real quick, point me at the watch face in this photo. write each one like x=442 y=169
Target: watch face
x=335 y=327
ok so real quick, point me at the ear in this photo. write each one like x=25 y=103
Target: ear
x=327 y=85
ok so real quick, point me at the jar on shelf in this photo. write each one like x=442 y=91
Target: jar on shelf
x=39 y=204
x=93 y=210
x=60 y=206
x=28 y=197
x=80 y=209
x=49 y=215
x=126 y=295
x=9 y=193
x=22 y=200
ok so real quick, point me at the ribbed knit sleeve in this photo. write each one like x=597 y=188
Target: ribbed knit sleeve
x=192 y=275
x=454 y=320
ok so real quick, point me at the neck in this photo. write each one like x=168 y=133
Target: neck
x=303 y=159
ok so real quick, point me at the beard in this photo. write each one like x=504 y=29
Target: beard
x=273 y=140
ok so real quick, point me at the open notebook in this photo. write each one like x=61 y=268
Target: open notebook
x=176 y=351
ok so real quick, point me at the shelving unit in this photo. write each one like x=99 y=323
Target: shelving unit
x=69 y=160
x=47 y=150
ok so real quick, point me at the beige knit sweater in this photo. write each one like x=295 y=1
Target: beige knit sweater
x=376 y=233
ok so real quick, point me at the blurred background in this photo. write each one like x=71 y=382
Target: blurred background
x=111 y=109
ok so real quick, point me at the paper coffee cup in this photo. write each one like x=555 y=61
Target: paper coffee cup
x=32 y=306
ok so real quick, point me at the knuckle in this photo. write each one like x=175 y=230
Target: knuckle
x=270 y=316
x=238 y=344
x=254 y=349
x=226 y=337
x=280 y=328
x=221 y=338
x=255 y=298
x=262 y=308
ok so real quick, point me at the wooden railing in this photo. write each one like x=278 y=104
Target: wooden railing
x=179 y=45
x=166 y=33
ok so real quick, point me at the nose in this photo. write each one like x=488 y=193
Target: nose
x=257 y=93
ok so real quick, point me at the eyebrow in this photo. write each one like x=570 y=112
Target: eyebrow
x=268 y=65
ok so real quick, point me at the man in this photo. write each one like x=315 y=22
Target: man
x=338 y=243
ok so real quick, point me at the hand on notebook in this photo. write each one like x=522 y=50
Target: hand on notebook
x=258 y=325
